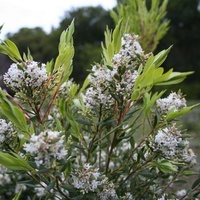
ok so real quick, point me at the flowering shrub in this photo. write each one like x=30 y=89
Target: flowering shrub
x=112 y=138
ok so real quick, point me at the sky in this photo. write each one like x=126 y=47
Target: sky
x=15 y=14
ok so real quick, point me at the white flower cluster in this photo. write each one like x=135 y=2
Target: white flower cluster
x=116 y=80
x=89 y=180
x=173 y=101
x=29 y=74
x=167 y=140
x=46 y=147
x=66 y=87
x=130 y=50
x=127 y=196
x=20 y=187
x=171 y=143
x=4 y=176
x=6 y=131
x=40 y=190
x=181 y=193
x=108 y=191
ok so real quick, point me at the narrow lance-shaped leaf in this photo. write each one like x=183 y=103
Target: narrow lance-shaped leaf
x=175 y=114
x=165 y=166
x=10 y=49
x=17 y=196
x=13 y=113
x=63 y=63
x=174 y=78
x=149 y=101
x=112 y=43
x=14 y=162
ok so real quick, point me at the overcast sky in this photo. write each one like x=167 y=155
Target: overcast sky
x=15 y=14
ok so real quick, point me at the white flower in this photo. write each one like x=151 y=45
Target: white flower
x=4 y=175
x=45 y=147
x=189 y=156
x=173 y=101
x=167 y=141
x=118 y=79
x=6 y=130
x=29 y=74
x=181 y=193
x=127 y=196
x=171 y=143
x=19 y=187
x=41 y=191
x=66 y=87
x=108 y=192
x=87 y=179
x=130 y=50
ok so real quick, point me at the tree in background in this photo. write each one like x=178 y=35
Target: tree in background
x=90 y=23
x=33 y=38
x=183 y=34
x=147 y=21
x=184 y=31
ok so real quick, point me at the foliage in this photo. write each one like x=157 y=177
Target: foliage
x=112 y=138
x=149 y=23
x=92 y=20
x=184 y=21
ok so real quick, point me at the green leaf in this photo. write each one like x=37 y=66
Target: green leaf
x=84 y=122
x=14 y=162
x=149 y=101
x=161 y=57
x=136 y=94
x=175 y=114
x=196 y=183
x=63 y=62
x=189 y=173
x=50 y=186
x=112 y=43
x=84 y=86
x=174 y=78
x=49 y=67
x=10 y=49
x=1 y=27
x=165 y=166
x=17 y=196
x=13 y=113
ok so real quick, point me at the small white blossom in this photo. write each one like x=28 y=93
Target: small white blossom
x=46 y=146
x=87 y=179
x=108 y=192
x=127 y=196
x=130 y=50
x=66 y=87
x=167 y=140
x=4 y=176
x=118 y=79
x=6 y=130
x=29 y=74
x=173 y=101
x=41 y=190
x=189 y=156
x=20 y=187
x=181 y=193
x=170 y=142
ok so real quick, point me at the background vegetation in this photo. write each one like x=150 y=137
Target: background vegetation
x=90 y=24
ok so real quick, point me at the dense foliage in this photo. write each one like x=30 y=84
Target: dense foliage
x=112 y=138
